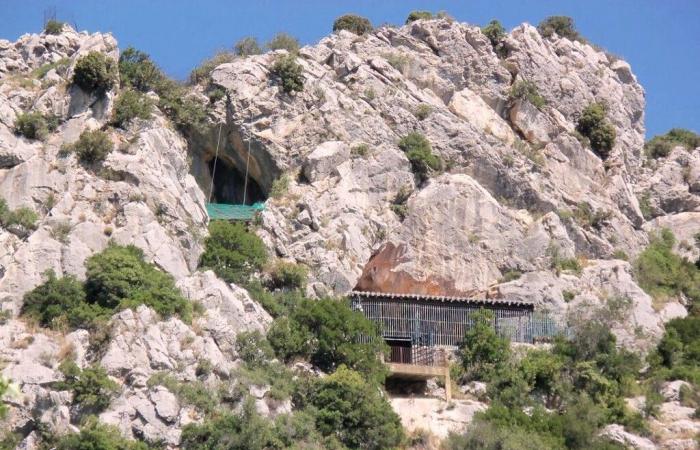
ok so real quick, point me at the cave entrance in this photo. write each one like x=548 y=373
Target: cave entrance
x=233 y=196
x=229 y=185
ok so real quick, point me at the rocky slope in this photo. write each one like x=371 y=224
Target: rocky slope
x=516 y=176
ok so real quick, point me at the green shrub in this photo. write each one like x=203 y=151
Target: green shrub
x=277 y=303
x=92 y=147
x=527 y=90
x=354 y=23
x=59 y=65
x=280 y=186
x=511 y=275
x=94 y=72
x=53 y=27
x=660 y=146
x=138 y=71
x=328 y=333
x=482 y=351
x=35 y=125
x=129 y=105
x=92 y=388
x=188 y=115
x=286 y=275
x=562 y=25
x=495 y=32
x=253 y=348
x=289 y=72
x=360 y=150
x=193 y=393
x=232 y=252
x=247 y=46
x=20 y=221
x=423 y=111
x=3 y=389
x=284 y=41
x=203 y=72
x=119 y=278
x=353 y=411
x=398 y=204
x=662 y=273
x=246 y=430
x=418 y=15
x=60 y=302
x=419 y=153
x=398 y=61
x=593 y=125
x=94 y=435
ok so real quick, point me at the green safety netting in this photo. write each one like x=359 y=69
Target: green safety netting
x=234 y=212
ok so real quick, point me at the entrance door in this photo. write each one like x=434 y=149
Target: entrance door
x=400 y=351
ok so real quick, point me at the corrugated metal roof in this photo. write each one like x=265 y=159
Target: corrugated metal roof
x=443 y=298
x=233 y=212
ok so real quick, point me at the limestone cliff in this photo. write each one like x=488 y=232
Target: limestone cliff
x=520 y=191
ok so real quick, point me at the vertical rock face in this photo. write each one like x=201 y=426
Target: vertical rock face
x=522 y=162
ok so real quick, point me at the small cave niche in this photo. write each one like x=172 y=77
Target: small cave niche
x=229 y=184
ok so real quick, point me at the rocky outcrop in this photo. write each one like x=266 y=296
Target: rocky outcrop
x=367 y=90
x=143 y=194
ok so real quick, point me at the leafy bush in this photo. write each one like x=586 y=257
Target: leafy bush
x=277 y=303
x=95 y=435
x=3 y=389
x=527 y=90
x=53 y=27
x=232 y=252
x=35 y=125
x=482 y=351
x=203 y=72
x=60 y=65
x=188 y=115
x=419 y=153
x=20 y=221
x=284 y=41
x=94 y=72
x=593 y=125
x=354 y=23
x=138 y=71
x=328 y=333
x=193 y=393
x=92 y=147
x=562 y=25
x=353 y=411
x=495 y=32
x=286 y=275
x=289 y=72
x=660 y=146
x=129 y=105
x=60 y=302
x=119 y=278
x=247 y=46
x=662 y=273
x=92 y=388
x=244 y=431
x=398 y=204
x=418 y=15
x=423 y=111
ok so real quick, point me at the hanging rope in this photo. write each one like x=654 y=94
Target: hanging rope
x=247 y=161
x=216 y=159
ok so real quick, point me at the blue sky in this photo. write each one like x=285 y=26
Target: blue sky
x=660 y=38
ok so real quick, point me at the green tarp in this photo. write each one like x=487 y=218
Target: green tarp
x=233 y=212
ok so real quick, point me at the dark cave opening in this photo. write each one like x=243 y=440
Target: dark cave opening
x=229 y=185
